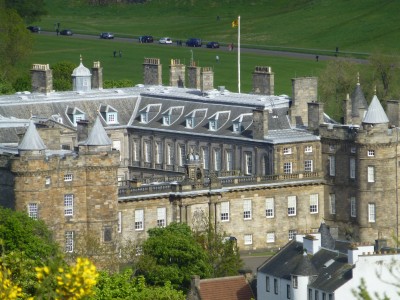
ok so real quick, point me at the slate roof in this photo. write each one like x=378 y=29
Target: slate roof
x=375 y=113
x=327 y=241
x=97 y=136
x=225 y=288
x=358 y=101
x=31 y=140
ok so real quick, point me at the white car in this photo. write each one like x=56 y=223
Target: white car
x=165 y=40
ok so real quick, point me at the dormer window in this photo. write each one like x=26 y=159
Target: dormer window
x=75 y=115
x=166 y=120
x=149 y=113
x=213 y=125
x=242 y=122
x=111 y=117
x=236 y=126
x=189 y=122
x=218 y=120
x=109 y=114
x=143 y=117
x=171 y=115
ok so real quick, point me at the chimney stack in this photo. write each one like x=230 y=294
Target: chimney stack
x=41 y=79
x=152 y=71
x=97 y=76
x=207 y=79
x=263 y=81
x=260 y=123
x=177 y=73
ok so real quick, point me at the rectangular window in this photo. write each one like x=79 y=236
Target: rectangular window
x=287 y=168
x=353 y=149
x=308 y=166
x=288 y=291
x=68 y=205
x=166 y=120
x=135 y=150
x=182 y=155
x=217 y=159
x=316 y=295
x=161 y=217
x=248 y=239
x=269 y=208
x=229 y=161
x=67 y=177
x=117 y=146
x=33 y=210
x=247 y=209
x=270 y=237
x=353 y=209
x=69 y=241
x=224 y=211
x=287 y=150
x=332 y=169
x=291 y=205
x=139 y=219
x=107 y=234
x=371 y=213
x=371 y=153
x=170 y=155
x=313 y=203
x=292 y=234
x=267 y=284
x=147 y=152
x=331 y=148
x=119 y=221
x=143 y=117
x=308 y=149
x=205 y=157
x=323 y=296
x=159 y=153
x=276 y=286
x=332 y=204
x=48 y=180
x=352 y=168
x=309 y=294
x=111 y=118
x=189 y=122
x=213 y=125
x=295 y=282
x=371 y=174
x=249 y=163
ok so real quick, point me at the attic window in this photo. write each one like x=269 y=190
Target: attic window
x=143 y=117
x=166 y=120
x=213 y=125
x=111 y=117
x=189 y=122
x=78 y=118
x=75 y=115
x=237 y=126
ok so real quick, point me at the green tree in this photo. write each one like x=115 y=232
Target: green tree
x=172 y=254
x=62 y=80
x=29 y=10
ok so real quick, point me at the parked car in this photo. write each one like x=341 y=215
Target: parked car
x=213 y=45
x=165 y=40
x=35 y=29
x=107 y=35
x=66 y=32
x=193 y=42
x=146 y=39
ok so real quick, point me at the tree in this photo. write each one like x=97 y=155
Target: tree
x=62 y=71
x=29 y=10
x=172 y=254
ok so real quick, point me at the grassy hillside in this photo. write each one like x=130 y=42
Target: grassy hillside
x=352 y=25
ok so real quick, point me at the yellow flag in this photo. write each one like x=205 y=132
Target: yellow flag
x=235 y=23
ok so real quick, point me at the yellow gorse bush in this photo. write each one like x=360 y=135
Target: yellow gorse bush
x=74 y=283
x=8 y=291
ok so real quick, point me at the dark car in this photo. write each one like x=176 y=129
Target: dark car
x=146 y=39
x=107 y=35
x=66 y=32
x=213 y=45
x=33 y=28
x=193 y=42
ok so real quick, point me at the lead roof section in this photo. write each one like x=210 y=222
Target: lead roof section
x=375 y=113
x=31 y=140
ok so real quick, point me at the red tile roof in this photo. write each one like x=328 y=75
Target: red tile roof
x=225 y=288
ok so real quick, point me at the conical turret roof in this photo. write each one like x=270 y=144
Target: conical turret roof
x=31 y=140
x=358 y=101
x=97 y=136
x=375 y=113
x=305 y=267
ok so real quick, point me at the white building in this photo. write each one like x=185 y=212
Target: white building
x=316 y=267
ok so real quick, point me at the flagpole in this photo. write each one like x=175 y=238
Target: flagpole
x=239 y=54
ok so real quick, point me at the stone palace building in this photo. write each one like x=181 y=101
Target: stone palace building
x=115 y=162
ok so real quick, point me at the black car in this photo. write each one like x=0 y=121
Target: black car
x=213 y=45
x=146 y=39
x=33 y=28
x=66 y=32
x=193 y=42
x=107 y=35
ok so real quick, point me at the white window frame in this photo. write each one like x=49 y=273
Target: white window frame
x=139 y=219
x=205 y=155
x=332 y=165
x=119 y=229
x=135 y=151
x=48 y=180
x=308 y=149
x=236 y=126
x=332 y=204
x=248 y=239
x=166 y=120
x=217 y=159
x=371 y=174
x=269 y=208
x=170 y=155
x=144 y=117
x=313 y=203
x=182 y=155
x=270 y=237
x=371 y=212
x=287 y=150
x=68 y=205
x=147 y=151
x=370 y=153
x=69 y=241
x=292 y=234
x=68 y=177
x=189 y=122
x=292 y=203
x=112 y=118
x=308 y=165
x=159 y=152
x=352 y=166
x=353 y=207
x=229 y=160
x=287 y=167
x=247 y=213
x=248 y=163
x=224 y=215
x=33 y=210
x=295 y=281
x=161 y=216
x=212 y=124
